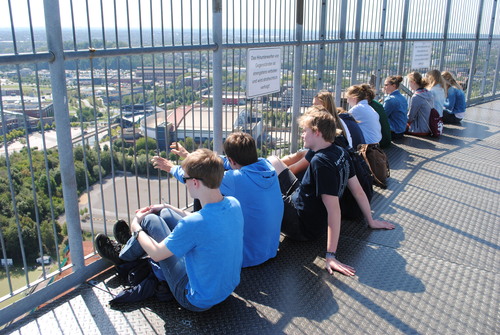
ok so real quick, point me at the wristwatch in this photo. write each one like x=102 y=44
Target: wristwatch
x=330 y=254
x=136 y=233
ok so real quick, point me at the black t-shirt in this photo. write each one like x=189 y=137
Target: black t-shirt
x=328 y=172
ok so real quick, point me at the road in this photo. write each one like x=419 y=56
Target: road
x=120 y=198
x=36 y=140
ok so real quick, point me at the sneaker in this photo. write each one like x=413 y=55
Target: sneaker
x=121 y=231
x=108 y=249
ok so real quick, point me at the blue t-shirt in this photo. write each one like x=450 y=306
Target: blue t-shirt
x=211 y=240
x=396 y=108
x=257 y=188
x=328 y=173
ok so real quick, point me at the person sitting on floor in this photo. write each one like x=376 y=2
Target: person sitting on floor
x=385 y=128
x=421 y=104
x=436 y=84
x=297 y=164
x=454 y=105
x=396 y=106
x=254 y=182
x=357 y=97
x=200 y=254
x=312 y=205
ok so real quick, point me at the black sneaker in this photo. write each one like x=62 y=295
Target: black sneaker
x=108 y=249
x=121 y=231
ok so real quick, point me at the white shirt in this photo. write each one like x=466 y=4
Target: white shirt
x=368 y=121
x=439 y=98
x=347 y=133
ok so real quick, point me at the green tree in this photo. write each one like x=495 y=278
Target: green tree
x=43 y=184
x=80 y=176
x=141 y=144
x=106 y=161
x=47 y=232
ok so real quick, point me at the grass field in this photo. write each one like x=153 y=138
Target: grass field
x=18 y=280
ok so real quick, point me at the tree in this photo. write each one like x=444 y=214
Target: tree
x=141 y=144
x=47 y=232
x=142 y=164
x=80 y=176
x=28 y=238
x=189 y=144
x=43 y=184
x=106 y=161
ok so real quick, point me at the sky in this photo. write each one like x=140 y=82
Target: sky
x=425 y=15
x=183 y=10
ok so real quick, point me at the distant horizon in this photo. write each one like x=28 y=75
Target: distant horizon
x=194 y=15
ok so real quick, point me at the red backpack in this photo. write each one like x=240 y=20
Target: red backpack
x=435 y=123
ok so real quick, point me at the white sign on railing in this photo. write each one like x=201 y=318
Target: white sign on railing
x=421 y=56
x=263 y=71
x=7 y=261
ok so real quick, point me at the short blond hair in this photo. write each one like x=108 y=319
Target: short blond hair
x=317 y=118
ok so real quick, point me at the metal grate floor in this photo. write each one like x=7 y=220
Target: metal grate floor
x=437 y=272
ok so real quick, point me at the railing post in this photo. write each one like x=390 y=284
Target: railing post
x=445 y=36
x=495 y=78
x=217 y=73
x=339 y=75
x=404 y=31
x=321 y=53
x=472 y=68
x=381 y=46
x=357 y=36
x=490 y=41
x=297 y=75
x=63 y=131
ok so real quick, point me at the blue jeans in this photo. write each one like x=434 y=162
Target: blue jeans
x=158 y=227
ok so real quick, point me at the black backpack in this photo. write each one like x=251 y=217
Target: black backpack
x=141 y=283
x=348 y=204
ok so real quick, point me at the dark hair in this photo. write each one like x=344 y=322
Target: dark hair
x=417 y=78
x=370 y=93
x=394 y=80
x=205 y=165
x=319 y=119
x=241 y=148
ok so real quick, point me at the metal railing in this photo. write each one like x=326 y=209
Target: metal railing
x=119 y=80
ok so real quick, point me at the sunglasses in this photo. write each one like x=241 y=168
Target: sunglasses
x=187 y=178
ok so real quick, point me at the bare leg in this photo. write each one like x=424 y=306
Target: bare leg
x=293 y=158
x=277 y=163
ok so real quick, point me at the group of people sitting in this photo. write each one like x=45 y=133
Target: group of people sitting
x=247 y=202
x=436 y=90
x=373 y=122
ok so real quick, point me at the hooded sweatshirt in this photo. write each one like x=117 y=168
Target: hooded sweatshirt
x=257 y=188
x=419 y=111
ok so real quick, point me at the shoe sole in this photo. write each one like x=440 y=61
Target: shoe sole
x=116 y=233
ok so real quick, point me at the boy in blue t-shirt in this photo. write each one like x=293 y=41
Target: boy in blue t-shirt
x=200 y=254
